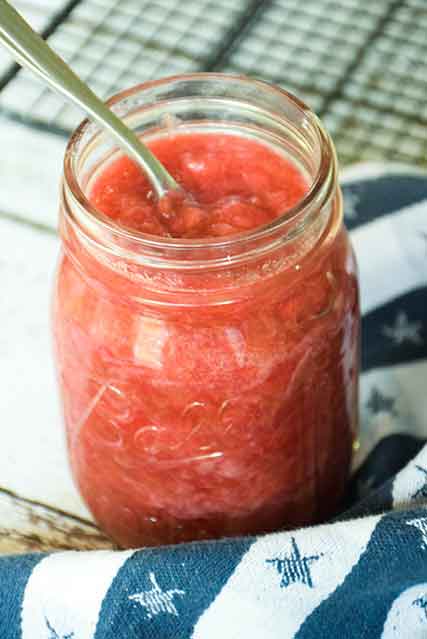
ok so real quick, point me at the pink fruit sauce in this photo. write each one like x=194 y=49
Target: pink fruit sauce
x=236 y=184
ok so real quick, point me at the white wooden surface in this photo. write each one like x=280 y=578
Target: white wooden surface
x=39 y=505
x=30 y=170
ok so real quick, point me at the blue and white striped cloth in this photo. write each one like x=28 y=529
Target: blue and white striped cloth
x=361 y=576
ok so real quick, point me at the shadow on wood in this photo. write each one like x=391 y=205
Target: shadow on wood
x=27 y=526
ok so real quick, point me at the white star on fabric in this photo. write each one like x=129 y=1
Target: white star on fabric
x=156 y=600
x=421 y=525
x=351 y=200
x=403 y=330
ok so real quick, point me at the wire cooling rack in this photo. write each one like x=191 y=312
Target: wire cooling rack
x=361 y=65
x=40 y=14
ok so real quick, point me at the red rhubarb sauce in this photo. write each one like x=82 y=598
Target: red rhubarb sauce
x=197 y=420
x=232 y=185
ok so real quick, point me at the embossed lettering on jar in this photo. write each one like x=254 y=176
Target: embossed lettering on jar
x=209 y=385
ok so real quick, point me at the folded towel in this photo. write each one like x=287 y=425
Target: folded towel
x=364 y=575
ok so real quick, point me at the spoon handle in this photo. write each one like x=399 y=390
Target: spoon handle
x=32 y=52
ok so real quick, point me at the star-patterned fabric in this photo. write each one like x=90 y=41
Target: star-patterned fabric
x=361 y=576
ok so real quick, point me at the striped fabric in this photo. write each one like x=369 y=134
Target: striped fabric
x=362 y=576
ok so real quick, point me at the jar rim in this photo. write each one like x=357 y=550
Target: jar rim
x=326 y=173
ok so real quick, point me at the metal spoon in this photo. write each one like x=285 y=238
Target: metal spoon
x=32 y=52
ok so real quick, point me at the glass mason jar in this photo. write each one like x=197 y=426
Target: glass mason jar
x=209 y=386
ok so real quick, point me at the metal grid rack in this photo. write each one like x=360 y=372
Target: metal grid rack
x=361 y=65
x=40 y=14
